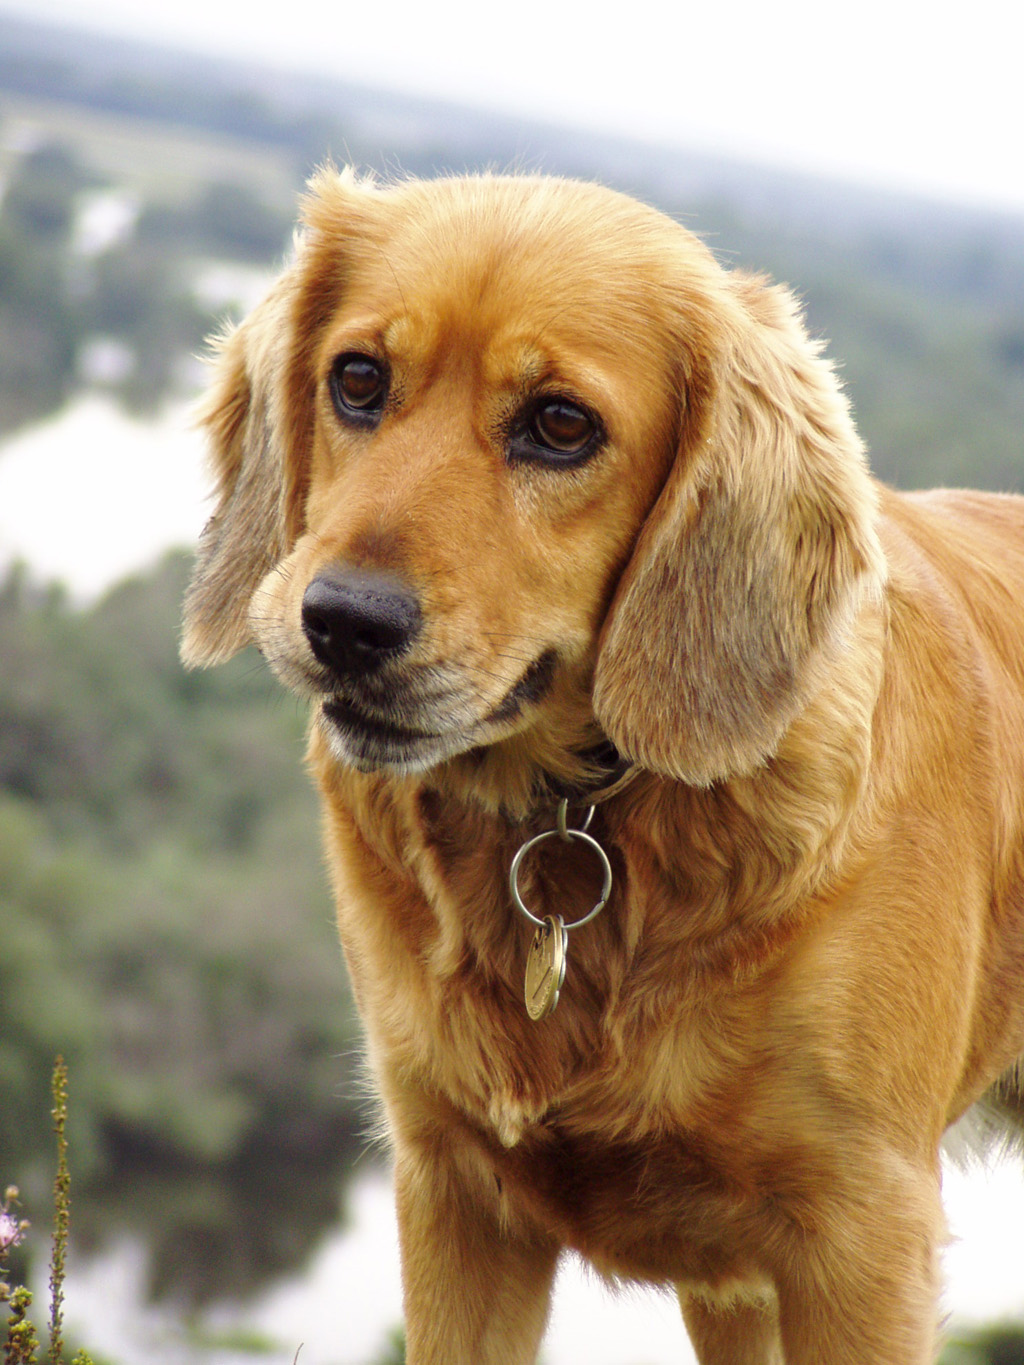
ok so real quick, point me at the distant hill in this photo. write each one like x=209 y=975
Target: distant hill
x=388 y=129
x=923 y=303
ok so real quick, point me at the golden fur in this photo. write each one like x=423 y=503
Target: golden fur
x=812 y=962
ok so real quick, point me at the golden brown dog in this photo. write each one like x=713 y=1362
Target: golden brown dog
x=511 y=472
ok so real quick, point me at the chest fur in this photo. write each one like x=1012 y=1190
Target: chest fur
x=438 y=955
x=644 y=1080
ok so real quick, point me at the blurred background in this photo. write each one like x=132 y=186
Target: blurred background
x=164 y=921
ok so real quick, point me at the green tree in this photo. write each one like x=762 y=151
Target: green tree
x=166 y=923
x=1002 y=1344
x=40 y=323
x=40 y=200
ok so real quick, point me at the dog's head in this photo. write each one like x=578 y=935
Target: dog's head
x=512 y=461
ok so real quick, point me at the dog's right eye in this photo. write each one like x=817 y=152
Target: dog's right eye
x=359 y=386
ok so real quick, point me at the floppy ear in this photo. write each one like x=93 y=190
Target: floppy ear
x=259 y=423
x=749 y=570
x=255 y=521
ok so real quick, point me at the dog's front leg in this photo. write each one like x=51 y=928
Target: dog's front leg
x=477 y=1289
x=858 y=1275
x=736 y=1331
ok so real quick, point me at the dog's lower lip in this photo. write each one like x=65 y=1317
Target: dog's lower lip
x=343 y=714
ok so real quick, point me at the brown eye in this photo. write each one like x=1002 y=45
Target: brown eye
x=358 y=385
x=556 y=432
x=562 y=427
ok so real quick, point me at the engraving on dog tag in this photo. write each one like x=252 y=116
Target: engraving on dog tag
x=545 y=967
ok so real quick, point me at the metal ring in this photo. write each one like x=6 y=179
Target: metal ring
x=513 y=875
x=563 y=810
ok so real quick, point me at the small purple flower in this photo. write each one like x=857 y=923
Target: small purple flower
x=11 y=1231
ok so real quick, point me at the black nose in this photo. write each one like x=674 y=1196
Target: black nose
x=356 y=619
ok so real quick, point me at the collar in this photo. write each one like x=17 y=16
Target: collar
x=610 y=773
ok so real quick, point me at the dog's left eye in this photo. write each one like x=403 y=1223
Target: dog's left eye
x=359 y=386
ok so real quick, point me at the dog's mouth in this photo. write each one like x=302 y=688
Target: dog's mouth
x=404 y=737
x=376 y=732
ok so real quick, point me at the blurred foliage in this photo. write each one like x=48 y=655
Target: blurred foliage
x=136 y=291
x=1002 y=1344
x=40 y=324
x=224 y=220
x=39 y=202
x=925 y=325
x=393 y=1350
x=166 y=924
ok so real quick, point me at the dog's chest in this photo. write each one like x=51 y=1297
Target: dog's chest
x=656 y=1207
x=594 y=1151
x=569 y=1112
x=440 y=955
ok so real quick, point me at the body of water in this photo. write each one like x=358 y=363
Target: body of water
x=90 y=495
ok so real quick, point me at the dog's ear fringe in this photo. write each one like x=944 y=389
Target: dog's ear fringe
x=244 y=538
x=748 y=574
x=247 y=533
x=258 y=423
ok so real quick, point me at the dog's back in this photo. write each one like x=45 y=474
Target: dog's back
x=956 y=597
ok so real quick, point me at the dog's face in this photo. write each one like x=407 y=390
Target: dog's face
x=485 y=444
x=474 y=452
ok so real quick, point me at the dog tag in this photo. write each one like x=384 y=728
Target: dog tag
x=545 y=967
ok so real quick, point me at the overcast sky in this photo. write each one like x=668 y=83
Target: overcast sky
x=922 y=96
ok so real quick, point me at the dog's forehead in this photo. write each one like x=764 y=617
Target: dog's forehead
x=528 y=265
x=513 y=218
